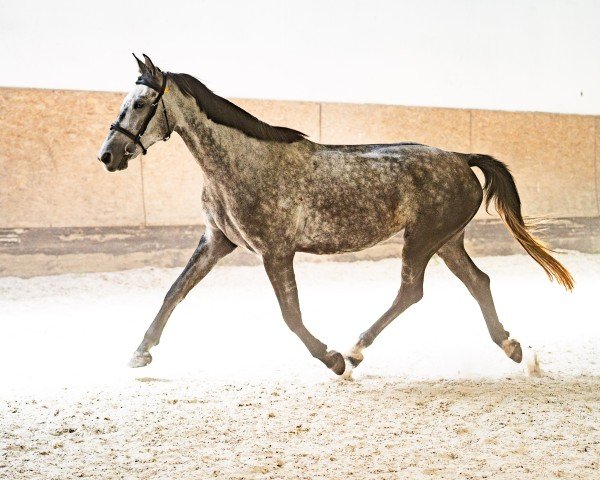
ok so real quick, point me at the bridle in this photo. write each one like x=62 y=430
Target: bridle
x=137 y=138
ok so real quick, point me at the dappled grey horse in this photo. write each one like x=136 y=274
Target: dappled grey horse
x=273 y=192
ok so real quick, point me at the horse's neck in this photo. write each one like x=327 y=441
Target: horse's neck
x=220 y=150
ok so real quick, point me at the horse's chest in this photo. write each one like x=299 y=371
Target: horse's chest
x=243 y=220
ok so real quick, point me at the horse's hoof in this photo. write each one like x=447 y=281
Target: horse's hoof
x=354 y=357
x=349 y=368
x=334 y=361
x=512 y=348
x=140 y=359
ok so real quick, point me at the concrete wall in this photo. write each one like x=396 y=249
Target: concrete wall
x=49 y=175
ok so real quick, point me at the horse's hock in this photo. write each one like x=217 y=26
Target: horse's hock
x=61 y=213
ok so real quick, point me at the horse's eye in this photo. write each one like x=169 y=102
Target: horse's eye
x=137 y=105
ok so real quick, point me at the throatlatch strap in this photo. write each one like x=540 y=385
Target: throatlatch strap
x=165 y=138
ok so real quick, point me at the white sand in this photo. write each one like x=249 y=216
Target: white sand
x=233 y=394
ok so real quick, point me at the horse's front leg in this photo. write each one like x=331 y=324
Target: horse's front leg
x=281 y=273
x=212 y=247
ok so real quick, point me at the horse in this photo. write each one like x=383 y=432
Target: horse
x=270 y=190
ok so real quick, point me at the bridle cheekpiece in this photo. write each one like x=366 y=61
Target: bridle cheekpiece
x=137 y=138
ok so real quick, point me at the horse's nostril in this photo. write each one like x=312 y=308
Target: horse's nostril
x=106 y=157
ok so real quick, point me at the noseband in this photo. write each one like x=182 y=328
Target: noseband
x=137 y=138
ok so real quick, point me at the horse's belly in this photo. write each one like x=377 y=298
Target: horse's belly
x=346 y=234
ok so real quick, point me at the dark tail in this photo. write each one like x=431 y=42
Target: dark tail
x=500 y=186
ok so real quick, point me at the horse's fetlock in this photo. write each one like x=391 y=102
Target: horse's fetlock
x=500 y=337
x=334 y=361
x=365 y=340
x=319 y=353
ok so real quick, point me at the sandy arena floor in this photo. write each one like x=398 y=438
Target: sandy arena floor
x=233 y=394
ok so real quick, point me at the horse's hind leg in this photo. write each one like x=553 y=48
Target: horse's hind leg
x=419 y=247
x=212 y=247
x=281 y=273
x=455 y=256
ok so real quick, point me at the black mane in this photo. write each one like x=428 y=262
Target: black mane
x=222 y=111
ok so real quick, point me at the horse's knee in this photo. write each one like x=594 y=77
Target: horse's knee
x=409 y=295
x=417 y=294
x=483 y=280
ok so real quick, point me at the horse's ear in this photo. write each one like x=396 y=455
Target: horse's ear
x=141 y=65
x=149 y=65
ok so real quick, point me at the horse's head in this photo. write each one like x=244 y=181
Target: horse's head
x=143 y=119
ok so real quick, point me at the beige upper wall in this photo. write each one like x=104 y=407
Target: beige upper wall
x=50 y=176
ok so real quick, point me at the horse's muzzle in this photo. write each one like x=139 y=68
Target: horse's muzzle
x=107 y=159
